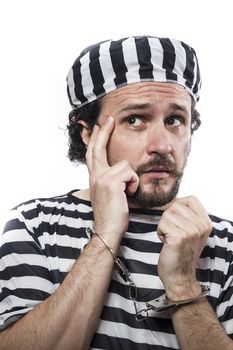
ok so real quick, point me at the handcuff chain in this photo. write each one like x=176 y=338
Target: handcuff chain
x=125 y=275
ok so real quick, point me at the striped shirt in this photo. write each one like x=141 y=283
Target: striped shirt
x=44 y=237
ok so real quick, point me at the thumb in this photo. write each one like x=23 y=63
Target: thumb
x=161 y=235
x=132 y=185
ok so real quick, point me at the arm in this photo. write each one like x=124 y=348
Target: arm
x=68 y=319
x=197 y=328
x=184 y=229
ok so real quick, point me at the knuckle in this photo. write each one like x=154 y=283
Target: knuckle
x=165 y=216
x=196 y=231
x=197 y=228
x=208 y=226
x=193 y=198
x=124 y=163
x=175 y=206
x=168 y=214
x=203 y=228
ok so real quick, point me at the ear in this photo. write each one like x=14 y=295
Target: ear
x=85 y=132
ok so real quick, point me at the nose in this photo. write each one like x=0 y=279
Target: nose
x=159 y=140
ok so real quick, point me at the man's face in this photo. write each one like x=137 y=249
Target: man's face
x=152 y=132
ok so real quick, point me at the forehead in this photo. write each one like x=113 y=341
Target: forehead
x=148 y=92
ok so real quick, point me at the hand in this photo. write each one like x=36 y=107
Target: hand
x=184 y=229
x=108 y=184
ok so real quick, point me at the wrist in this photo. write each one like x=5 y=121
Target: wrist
x=120 y=267
x=106 y=241
x=187 y=290
x=113 y=239
x=163 y=301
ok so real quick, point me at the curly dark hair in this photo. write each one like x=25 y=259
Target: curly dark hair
x=90 y=113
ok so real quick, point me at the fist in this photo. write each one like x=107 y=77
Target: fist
x=184 y=228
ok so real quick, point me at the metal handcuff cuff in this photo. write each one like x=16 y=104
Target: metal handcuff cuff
x=159 y=304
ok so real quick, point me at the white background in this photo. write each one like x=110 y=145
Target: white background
x=40 y=39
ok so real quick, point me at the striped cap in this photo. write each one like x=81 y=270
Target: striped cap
x=108 y=65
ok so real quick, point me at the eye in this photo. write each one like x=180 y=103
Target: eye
x=175 y=121
x=134 y=121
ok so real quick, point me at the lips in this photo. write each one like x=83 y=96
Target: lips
x=157 y=173
x=158 y=170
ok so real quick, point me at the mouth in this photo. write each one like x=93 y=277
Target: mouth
x=158 y=173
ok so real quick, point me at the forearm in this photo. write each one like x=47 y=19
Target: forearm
x=69 y=317
x=197 y=327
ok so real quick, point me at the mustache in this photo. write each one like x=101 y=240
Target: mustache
x=159 y=161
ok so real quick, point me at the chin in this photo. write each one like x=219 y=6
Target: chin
x=157 y=193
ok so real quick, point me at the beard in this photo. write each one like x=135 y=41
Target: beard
x=158 y=195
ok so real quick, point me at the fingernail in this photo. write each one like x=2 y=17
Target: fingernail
x=110 y=119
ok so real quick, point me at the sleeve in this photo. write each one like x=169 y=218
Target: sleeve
x=25 y=280
x=225 y=302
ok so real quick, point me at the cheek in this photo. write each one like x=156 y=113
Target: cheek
x=119 y=147
x=182 y=151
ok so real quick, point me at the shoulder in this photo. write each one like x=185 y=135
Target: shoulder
x=65 y=203
x=42 y=213
x=220 y=240
x=44 y=223
x=222 y=227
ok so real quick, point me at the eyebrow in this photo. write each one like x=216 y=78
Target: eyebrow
x=140 y=106
x=135 y=106
x=178 y=107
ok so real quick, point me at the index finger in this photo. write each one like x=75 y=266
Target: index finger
x=195 y=205
x=90 y=146
x=97 y=153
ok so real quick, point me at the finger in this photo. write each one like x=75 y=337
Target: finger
x=123 y=173
x=168 y=232
x=91 y=143
x=132 y=184
x=161 y=235
x=99 y=151
x=182 y=216
x=193 y=203
x=196 y=206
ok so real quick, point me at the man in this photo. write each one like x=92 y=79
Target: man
x=124 y=264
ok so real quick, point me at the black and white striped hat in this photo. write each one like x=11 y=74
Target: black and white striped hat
x=106 y=66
